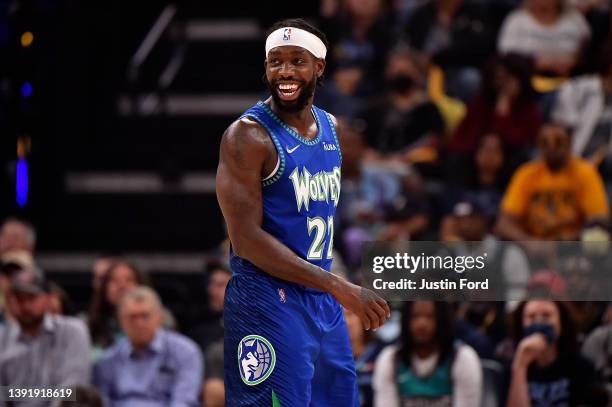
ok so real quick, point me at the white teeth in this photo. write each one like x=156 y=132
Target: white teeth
x=289 y=87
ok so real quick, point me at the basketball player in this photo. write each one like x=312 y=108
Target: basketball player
x=278 y=183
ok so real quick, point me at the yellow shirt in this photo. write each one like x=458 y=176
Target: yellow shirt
x=555 y=205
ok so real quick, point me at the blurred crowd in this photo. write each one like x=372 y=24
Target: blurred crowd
x=463 y=120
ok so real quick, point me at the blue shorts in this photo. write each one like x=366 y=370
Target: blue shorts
x=285 y=345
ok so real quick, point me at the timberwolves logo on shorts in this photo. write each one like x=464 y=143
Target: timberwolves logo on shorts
x=256 y=359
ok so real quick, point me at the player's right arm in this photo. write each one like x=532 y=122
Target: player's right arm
x=246 y=150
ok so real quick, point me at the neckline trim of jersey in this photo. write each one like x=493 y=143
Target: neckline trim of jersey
x=292 y=132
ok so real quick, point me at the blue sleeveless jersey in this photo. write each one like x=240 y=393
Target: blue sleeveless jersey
x=301 y=196
x=285 y=344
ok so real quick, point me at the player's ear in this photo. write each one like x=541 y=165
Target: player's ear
x=320 y=66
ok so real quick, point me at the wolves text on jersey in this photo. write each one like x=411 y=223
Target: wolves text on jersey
x=322 y=186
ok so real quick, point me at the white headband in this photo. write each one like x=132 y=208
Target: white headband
x=298 y=37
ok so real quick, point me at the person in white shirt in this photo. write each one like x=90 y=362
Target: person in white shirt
x=584 y=104
x=428 y=367
x=550 y=31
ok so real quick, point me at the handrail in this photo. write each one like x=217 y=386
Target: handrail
x=174 y=65
x=152 y=37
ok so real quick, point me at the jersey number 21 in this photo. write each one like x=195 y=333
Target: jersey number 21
x=319 y=228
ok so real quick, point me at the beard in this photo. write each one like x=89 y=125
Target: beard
x=306 y=91
x=30 y=321
x=556 y=163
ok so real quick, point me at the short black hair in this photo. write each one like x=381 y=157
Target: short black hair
x=302 y=25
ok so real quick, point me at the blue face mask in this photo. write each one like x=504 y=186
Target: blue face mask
x=543 y=328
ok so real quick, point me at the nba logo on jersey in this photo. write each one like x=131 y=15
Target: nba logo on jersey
x=256 y=359
x=287 y=34
x=281 y=294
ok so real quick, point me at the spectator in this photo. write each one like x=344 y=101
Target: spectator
x=597 y=14
x=41 y=349
x=584 y=104
x=366 y=189
x=119 y=278
x=553 y=197
x=597 y=348
x=505 y=106
x=409 y=214
x=59 y=301
x=365 y=351
x=99 y=269
x=427 y=367
x=151 y=366
x=4 y=278
x=404 y=123
x=587 y=315
x=357 y=30
x=484 y=176
x=550 y=32
x=480 y=324
x=17 y=235
x=470 y=220
x=458 y=36
x=401 y=10
x=211 y=331
x=8 y=268
x=213 y=391
x=546 y=370
x=508 y=265
x=345 y=95
x=103 y=323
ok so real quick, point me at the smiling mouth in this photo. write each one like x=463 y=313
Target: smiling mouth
x=288 y=91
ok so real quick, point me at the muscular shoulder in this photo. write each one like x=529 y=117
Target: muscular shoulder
x=246 y=131
x=333 y=119
x=245 y=138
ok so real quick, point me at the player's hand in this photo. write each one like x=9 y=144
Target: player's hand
x=366 y=304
